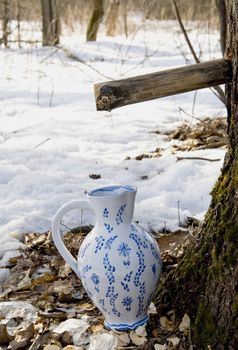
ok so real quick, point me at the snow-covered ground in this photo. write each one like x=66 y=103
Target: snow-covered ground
x=52 y=138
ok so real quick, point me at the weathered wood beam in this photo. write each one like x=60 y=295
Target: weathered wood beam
x=113 y=94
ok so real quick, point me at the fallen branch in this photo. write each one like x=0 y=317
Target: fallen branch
x=199 y=158
x=113 y=94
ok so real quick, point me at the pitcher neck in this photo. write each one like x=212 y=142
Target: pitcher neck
x=113 y=208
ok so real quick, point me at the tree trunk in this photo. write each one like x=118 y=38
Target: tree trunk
x=95 y=20
x=205 y=282
x=112 y=17
x=51 y=22
x=6 y=30
x=221 y=7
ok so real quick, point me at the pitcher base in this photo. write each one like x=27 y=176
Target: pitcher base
x=125 y=326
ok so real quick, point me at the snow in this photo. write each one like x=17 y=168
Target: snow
x=52 y=138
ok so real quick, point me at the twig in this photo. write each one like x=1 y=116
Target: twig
x=51 y=54
x=40 y=144
x=218 y=90
x=39 y=340
x=190 y=115
x=80 y=60
x=199 y=158
x=178 y=207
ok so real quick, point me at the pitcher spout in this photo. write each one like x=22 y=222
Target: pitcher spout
x=114 y=203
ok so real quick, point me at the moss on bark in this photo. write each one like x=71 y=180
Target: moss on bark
x=205 y=282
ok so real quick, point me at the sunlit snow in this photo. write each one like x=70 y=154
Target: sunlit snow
x=52 y=138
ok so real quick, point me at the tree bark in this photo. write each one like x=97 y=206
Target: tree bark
x=221 y=7
x=112 y=17
x=113 y=94
x=205 y=282
x=95 y=20
x=6 y=20
x=51 y=22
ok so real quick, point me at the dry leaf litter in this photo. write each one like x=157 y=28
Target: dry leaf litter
x=206 y=133
x=44 y=306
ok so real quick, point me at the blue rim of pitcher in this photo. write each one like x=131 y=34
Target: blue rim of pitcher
x=128 y=188
x=125 y=326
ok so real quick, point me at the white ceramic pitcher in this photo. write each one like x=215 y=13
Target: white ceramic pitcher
x=119 y=263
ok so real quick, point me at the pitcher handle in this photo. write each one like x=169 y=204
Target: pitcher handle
x=56 y=234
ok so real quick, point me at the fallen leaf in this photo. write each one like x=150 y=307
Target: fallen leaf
x=14 y=309
x=72 y=347
x=52 y=347
x=174 y=341
x=23 y=337
x=136 y=339
x=152 y=309
x=72 y=330
x=141 y=331
x=160 y=347
x=166 y=323
x=39 y=341
x=26 y=282
x=44 y=278
x=97 y=327
x=5 y=337
x=123 y=338
x=94 y=176
x=185 y=325
x=104 y=341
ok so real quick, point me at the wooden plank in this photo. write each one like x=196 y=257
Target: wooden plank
x=113 y=94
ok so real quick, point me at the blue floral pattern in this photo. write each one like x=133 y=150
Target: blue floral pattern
x=102 y=304
x=142 y=266
x=125 y=281
x=100 y=242
x=83 y=251
x=96 y=281
x=112 y=299
x=127 y=301
x=153 y=268
x=130 y=291
x=108 y=227
x=124 y=250
x=141 y=299
x=105 y=213
x=110 y=269
x=85 y=269
x=120 y=212
x=109 y=242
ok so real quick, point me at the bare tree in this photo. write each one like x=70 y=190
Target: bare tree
x=6 y=19
x=205 y=282
x=112 y=17
x=221 y=7
x=51 y=22
x=95 y=20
